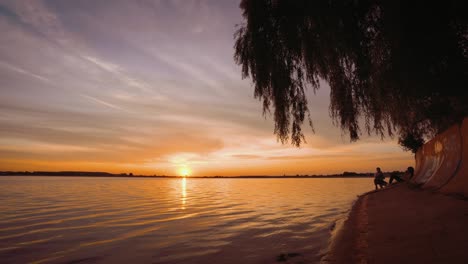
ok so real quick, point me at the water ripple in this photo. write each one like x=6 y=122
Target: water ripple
x=100 y=220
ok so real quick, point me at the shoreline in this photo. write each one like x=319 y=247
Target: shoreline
x=402 y=225
x=192 y=177
x=344 y=230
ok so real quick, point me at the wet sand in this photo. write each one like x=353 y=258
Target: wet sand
x=400 y=224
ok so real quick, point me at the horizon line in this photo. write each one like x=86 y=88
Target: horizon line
x=345 y=174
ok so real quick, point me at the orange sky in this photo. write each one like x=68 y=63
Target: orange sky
x=84 y=88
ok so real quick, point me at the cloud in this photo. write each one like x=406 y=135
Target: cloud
x=112 y=68
x=246 y=156
x=198 y=29
x=101 y=102
x=84 y=87
x=22 y=71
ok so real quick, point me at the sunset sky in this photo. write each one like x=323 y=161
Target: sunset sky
x=150 y=87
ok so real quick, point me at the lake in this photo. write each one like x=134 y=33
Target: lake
x=138 y=220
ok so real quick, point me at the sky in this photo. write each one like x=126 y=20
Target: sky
x=151 y=87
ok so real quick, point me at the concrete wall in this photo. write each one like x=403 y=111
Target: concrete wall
x=419 y=157
x=443 y=159
x=447 y=150
x=459 y=182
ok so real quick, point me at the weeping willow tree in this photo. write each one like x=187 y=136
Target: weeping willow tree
x=394 y=67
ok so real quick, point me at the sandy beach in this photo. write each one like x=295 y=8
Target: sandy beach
x=400 y=224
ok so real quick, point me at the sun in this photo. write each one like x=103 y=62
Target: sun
x=184 y=172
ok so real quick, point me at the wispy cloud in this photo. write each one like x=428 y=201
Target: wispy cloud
x=101 y=102
x=23 y=71
x=84 y=87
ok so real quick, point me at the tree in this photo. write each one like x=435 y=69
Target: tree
x=394 y=67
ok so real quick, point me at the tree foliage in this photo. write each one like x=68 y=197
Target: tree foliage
x=394 y=67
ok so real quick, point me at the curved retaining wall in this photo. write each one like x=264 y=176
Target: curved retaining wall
x=419 y=165
x=447 y=153
x=459 y=183
x=443 y=159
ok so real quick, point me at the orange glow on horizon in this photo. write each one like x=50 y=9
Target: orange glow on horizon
x=183 y=111
x=277 y=160
x=184 y=172
x=237 y=157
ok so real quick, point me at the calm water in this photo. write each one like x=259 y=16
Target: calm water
x=123 y=220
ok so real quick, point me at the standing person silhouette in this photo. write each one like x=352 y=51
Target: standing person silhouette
x=379 y=179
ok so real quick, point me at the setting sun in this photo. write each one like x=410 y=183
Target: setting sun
x=184 y=172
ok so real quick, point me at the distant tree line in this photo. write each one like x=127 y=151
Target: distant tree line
x=65 y=173
x=107 y=174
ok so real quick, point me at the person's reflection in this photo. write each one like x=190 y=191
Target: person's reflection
x=184 y=192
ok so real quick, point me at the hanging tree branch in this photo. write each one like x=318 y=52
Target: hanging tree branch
x=400 y=67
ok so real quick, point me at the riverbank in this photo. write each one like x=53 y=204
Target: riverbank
x=403 y=225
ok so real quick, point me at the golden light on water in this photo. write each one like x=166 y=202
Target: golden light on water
x=184 y=192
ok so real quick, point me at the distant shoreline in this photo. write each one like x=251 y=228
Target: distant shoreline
x=130 y=175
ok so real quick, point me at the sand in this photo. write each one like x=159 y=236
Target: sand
x=400 y=224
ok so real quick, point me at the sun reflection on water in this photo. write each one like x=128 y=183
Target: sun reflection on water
x=184 y=191
x=156 y=216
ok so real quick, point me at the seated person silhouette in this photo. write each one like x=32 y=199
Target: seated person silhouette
x=379 y=179
x=395 y=176
x=409 y=173
x=400 y=178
